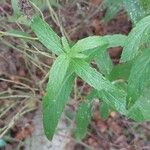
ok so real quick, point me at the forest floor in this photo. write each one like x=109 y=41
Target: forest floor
x=23 y=76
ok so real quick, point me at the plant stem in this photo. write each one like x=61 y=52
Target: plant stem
x=17 y=35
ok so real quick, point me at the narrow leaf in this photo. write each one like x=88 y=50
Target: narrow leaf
x=58 y=90
x=137 y=37
x=134 y=9
x=91 y=75
x=113 y=7
x=116 y=100
x=89 y=43
x=139 y=77
x=65 y=44
x=104 y=63
x=115 y=40
x=83 y=116
x=107 y=91
x=15 y=6
x=46 y=35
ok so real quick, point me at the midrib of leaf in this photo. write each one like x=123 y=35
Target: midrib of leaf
x=106 y=88
x=46 y=35
x=55 y=110
x=91 y=82
x=53 y=98
x=115 y=99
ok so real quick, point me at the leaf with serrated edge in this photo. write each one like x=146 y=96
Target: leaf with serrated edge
x=83 y=116
x=65 y=44
x=112 y=95
x=116 y=100
x=58 y=90
x=139 y=77
x=89 y=43
x=115 y=40
x=46 y=35
x=137 y=37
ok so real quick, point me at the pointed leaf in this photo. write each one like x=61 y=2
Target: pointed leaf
x=116 y=100
x=58 y=90
x=115 y=40
x=107 y=91
x=46 y=35
x=83 y=119
x=137 y=38
x=83 y=116
x=91 y=75
x=89 y=43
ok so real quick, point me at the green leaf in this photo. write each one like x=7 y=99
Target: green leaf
x=140 y=110
x=89 y=43
x=104 y=110
x=134 y=9
x=113 y=41
x=146 y=5
x=113 y=7
x=58 y=90
x=46 y=35
x=91 y=75
x=121 y=85
x=83 y=119
x=116 y=40
x=90 y=55
x=116 y=100
x=104 y=63
x=107 y=91
x=121 y=71
x=15 y=7
x=65 y=44
x=139 y=77
x=137 y=37
x=42 y=4
x=83 y=116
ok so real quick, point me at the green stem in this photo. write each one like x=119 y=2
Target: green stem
x=17 y=35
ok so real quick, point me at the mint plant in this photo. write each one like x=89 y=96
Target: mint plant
x=124 y=88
